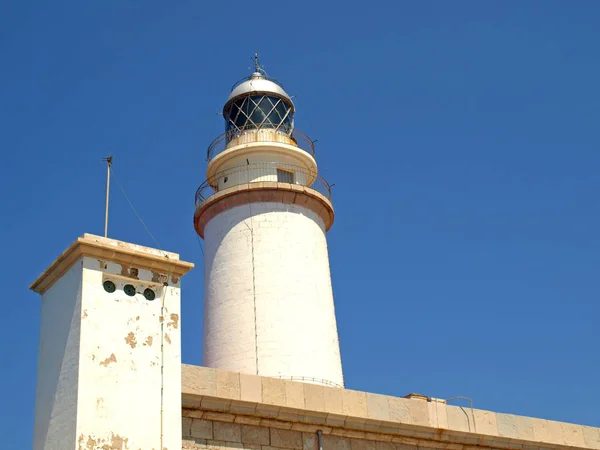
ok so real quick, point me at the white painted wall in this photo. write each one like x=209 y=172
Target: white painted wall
x=268 y=298
x=122 y=360
x=58 y=364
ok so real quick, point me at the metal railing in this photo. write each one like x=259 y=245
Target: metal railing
x=259 y=172
x=310 y=380
x=297 y=137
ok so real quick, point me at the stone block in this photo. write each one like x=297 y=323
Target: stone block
x=354 y=403
x=273 y=391
x=547 y=431
x=309 y=441
x=333 y=400
x=336 y=420
x=398 y=410
x=305 y=427
x=485 y=422
x=385 y=446
x=247 y=420
x=286 y=438
x=202 y=429
x=591 y=436
x=190 y=400
x=198 y=380
x=225 y=431
x=363 y=444
x=459 y=418
x=294 y=394
x=573 y=435
x=265 y=410
x=348 y=433
x=377 y=407
x=215 y=403
x=524 y=428
x=219 y=416
x=419 y=412
x=371 y=425
x=314 y=397
x=255 y=435
x=239 y=407
x=186 y=426
x=275 y=424
x=228 y=384
x=292 y=415
x=331 y=442
x=250 y=388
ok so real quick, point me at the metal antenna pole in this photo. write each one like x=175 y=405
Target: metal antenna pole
x=256 y=64
x=109 y=163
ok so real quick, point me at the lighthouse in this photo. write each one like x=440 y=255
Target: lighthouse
x=263 y=212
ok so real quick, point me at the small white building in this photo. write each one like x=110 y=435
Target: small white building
x=109 y=367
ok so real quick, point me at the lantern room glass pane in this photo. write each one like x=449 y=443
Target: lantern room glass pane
x=256 y=112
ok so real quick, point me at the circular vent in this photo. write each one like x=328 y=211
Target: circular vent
x=129 y=290
x=149 y=294
x=109 y=286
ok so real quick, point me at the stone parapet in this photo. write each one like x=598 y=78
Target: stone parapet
x=253 y=410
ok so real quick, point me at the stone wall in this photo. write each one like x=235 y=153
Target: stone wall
x=212 y=430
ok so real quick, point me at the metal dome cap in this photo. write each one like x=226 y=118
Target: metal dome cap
x=258 y=83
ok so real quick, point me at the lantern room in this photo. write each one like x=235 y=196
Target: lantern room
x=258 y=103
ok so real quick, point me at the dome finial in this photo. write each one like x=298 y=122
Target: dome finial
x=258 y=69
x=256 y=64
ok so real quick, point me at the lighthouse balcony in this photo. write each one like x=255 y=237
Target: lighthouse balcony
x=271 y=174
x=251 y=134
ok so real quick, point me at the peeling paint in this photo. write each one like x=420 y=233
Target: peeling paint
x=130 y=339
x=174 y=321
x=161 y=319
x=158 y=277
x=116 y=442
x=167 y=338
x=149 y=341
x=137 y=318
x=85 y=314
x=111 y=359
x=130 y=272
x=103 y=264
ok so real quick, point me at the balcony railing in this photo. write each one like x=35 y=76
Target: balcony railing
x=296 y=137
x=259 y=172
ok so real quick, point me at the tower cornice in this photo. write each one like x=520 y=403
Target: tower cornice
x=110 y=249
x=258 y=192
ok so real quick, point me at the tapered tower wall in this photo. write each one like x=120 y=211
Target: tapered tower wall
x=268 y=298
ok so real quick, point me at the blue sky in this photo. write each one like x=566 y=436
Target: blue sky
x=462 y=139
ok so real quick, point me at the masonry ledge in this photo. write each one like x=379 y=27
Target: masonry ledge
x=371 y=416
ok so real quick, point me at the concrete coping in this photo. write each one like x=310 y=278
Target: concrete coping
x=371 y=416
x=263 y=191
x=111 y=250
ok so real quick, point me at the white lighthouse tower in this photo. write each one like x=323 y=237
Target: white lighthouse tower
x=263 y=213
